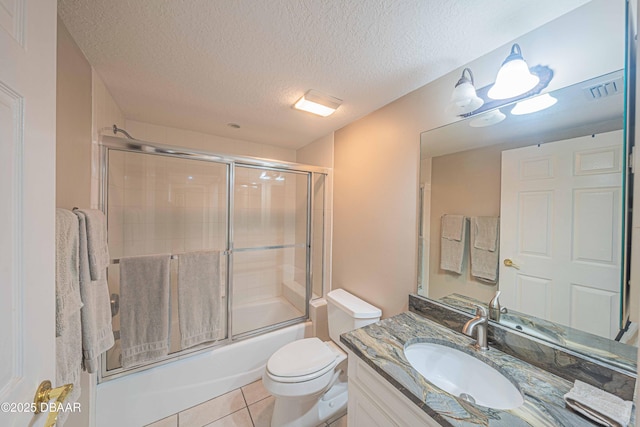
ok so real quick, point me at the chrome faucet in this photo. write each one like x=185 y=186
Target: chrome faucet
x=494 y=308
x=480 y=322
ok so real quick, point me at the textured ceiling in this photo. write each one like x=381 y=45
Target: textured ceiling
x=200 y=64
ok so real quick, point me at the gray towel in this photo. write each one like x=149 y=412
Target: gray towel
x=68 y=300
x=484 y=263
x=453 y=227
x=97 y=332
x=199 y=297
x=144 y=309
x=68 y=304
x=486 y=232
x=598 y=405
x=97 y=248
x=452 y=242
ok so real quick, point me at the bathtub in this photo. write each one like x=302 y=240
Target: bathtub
x=259 y=314
x=246 y=317
x=146 y=396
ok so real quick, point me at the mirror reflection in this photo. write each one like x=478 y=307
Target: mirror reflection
x=534 y=206
x=552 y=183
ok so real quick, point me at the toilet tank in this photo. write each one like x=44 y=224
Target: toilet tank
x=347 y=312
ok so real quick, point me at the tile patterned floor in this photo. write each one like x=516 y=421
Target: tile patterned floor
x=248 y=406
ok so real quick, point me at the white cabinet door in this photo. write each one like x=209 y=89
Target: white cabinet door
x=373 y=401
x=561 y=219
x=27 y=207
x=363 y=412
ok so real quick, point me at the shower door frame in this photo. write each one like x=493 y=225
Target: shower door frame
x=108 y=143
x=307 y=245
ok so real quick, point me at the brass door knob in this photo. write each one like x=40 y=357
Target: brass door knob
x=509 y=263
x=44 y=394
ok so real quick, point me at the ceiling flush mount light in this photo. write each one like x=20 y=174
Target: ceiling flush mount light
x=533 y=105
x=487 y=119
x=464 y=98
x=317 y=103
x=514 y=77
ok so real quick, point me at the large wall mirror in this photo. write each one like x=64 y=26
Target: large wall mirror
x=544 y=201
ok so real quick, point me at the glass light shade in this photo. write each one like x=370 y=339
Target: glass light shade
x=514 y=77
x=317 y=103
x=534 y=105
x=464 y=100
x=487 y=119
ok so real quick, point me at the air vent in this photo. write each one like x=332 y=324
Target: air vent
x=604 y=89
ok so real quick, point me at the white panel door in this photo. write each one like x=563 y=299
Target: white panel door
x=27 y=210
x=561 y=219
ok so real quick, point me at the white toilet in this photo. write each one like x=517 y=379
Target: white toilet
x=308 y=377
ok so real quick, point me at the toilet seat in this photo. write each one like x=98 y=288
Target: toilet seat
x=302 y=360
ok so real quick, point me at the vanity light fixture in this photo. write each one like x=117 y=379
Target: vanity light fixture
x=464 y=98
x=487 y=119
x=317 y=103
x=533 y=105
x=514 y=77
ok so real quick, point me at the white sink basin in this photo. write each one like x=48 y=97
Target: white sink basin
x=463 y=375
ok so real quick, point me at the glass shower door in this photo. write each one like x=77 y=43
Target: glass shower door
x=270 y=254
x=164 y=205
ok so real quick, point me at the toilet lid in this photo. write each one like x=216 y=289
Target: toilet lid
x=302 y=357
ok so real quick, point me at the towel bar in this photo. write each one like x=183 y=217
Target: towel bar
x=117 y=260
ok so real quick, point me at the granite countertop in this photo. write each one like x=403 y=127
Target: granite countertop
x=608 y=351
x=381 y=346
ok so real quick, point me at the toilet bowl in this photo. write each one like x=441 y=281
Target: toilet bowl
x=308 y=377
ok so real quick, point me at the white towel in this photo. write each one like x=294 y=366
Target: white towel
x=68 y=305
x=97 y=248
x=452 y=242
x=484 y=263
x=199 y=302
x=486 y=232
x=68 y=300
x=599 y=405
x=97 y=330
x=144 y=309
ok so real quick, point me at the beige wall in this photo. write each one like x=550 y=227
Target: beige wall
x=105 y=114
x=73 y=124
x=317 y=153
x=377 y=157
x=73 y=156
x=375 y=193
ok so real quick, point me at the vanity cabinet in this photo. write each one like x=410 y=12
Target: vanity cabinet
x=374 y=402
